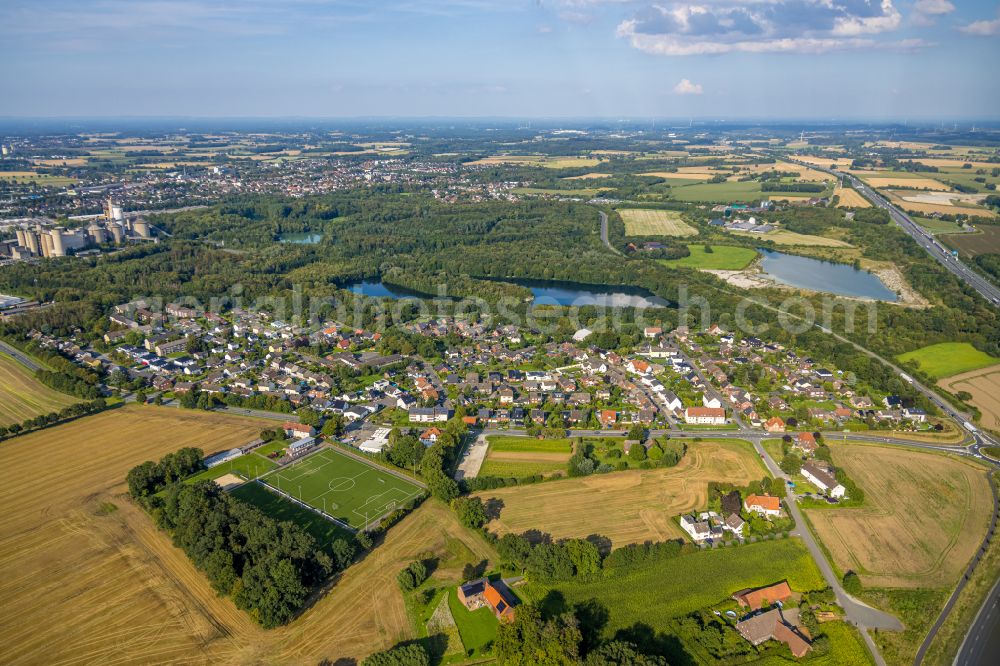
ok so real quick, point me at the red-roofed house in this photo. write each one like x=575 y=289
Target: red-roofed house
x=775 y=424
x=756 y=598
x=298 y=429
x=705 y=415
x=765 y=505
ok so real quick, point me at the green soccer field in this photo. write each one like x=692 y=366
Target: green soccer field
x=350 y=490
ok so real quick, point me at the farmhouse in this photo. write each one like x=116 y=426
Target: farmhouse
x=765 y=505
x=480 y=593
x=772 y=626
x=761 y=597
x=705 y=416
x=822 y=479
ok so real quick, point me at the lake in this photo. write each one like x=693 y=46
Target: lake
x=550 y=292
x=545 y=293
x=381 y=290
x=301 y=238
x=824 y=276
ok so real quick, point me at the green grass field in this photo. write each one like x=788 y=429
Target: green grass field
x=721 y=258
x=719 y=192
x=936 y=226
x=518 y=469
x=324 y=531
x=948 y=358
x=248 y=466
x=23 y=397
x=343 y=487
x=656 y=592
x=528 y=444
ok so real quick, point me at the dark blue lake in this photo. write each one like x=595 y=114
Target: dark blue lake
x=549 y=292
x=824 y=276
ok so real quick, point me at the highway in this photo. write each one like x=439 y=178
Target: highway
x=926 y=240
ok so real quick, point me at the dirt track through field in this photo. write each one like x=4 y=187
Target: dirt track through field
x=923 y=518
x=984 y=385
x=627 y=507
x=82 y=585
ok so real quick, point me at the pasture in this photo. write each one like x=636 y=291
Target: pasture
x=984 y=386
x=88 y=577
x=936 y=226
x=627 y=507
x=656 y=592
x=23 y=397
x=948 y=358
x=984 y=241
x=924 y=516
x=349 y=489
x=519 y=457
x=644 y=222
x=721 y=258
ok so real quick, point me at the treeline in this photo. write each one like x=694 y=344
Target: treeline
x=779 y=186
x=267 y=567
x=151 y=477
x=52 y=418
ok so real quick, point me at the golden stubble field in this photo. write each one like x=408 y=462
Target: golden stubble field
x=627 y=507
x=984 y=385
x=82 y=584
x=851 y=198
x=23 y=397
x=924 y=516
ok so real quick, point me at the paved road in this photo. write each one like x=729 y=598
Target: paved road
x=604 y=232
x=926 y=240
x=858 y=613
x=982 y=636
x=19 y=356
x=982 y=642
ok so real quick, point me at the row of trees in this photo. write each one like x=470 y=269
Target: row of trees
x=151 y=477
x=73 y=411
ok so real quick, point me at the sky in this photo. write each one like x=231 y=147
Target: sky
x=725 y=59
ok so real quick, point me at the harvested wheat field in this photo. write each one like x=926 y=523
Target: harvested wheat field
x=627 y=507
x=589 y=176
x=86 y=577
x=984 y=385
x=23 y=397
x=642 y=222
x=924 y=516
x=851 y=198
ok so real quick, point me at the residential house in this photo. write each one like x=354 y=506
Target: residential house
x=772 y=626
x=765 y=505
x=484 y=593
x=775 y=424
x=705 y=416
x=823 y=479
x=762 y=597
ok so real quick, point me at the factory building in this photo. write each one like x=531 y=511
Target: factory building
x=37 y=238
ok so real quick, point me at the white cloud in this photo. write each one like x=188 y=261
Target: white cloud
x=934 y=7
x=685 y=87
x=679 y=28
x=851 y=26
x=982 y=28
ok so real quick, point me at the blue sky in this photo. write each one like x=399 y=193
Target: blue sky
x=823 y=59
